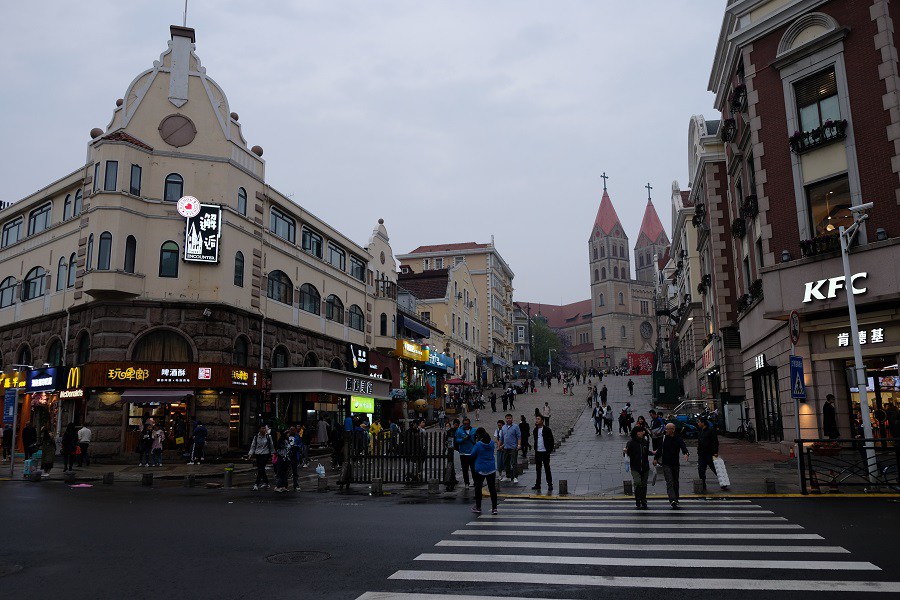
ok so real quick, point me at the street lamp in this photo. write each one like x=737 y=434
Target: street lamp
x=550 y=358
x=846 y=235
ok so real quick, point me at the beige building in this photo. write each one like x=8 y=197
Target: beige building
x=492 y=278
x=101 y=269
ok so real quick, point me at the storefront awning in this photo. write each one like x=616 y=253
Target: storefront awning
x=151 y=395
x=403 y=321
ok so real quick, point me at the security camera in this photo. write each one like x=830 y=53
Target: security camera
x=861 y=207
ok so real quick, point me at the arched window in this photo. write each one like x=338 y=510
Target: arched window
x=76 y=204
x=603 y=273
x=280 y=358
x=25 y=355
x=334 y=309
x=602 y=251
x=616 y=272
x=89 y=260
x=241 y=354
x=239 y=269
x=168 y=259
x=615 y=250
x=603 y=333
x=382 y=325
x=280 y=288
x=61 y=270
x=311 y=360
x=8 y=292
x=174 y=187
x=596 y=274
x=73 y=270
x=602 y=300
x=162 y=345
x=355 y=318
x=104 y=250
x=623 y=332
x=595 y=252
x=55 y=354
x=337 y=364
x=34 y=284
x=67 y=208
x=242 y=201
x=83 y=348
x=130 y=252
x=310 y=300
x=621 y=298
x=641 y=260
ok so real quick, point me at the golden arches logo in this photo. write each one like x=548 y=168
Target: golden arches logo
x=74 y=378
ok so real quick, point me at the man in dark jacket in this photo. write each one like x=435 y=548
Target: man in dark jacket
x=603 y=394
x=829 y=419
x=543 y=447
x=667 y=456
x=200 y=434
x=638 y=452
x=630 y=387
x=707 y=449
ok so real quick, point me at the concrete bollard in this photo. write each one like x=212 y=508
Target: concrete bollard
x=189 y=481
x=69 y=477
x=147 y=479
x=377 y=486
x=229 y=475
x=563 y=487
x=698 y=486
x=770 y=486
x=109 y=478
x=434 y=487
x=628 y=486
x=323 y=484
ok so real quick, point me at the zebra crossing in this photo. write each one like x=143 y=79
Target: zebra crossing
x=559 y=550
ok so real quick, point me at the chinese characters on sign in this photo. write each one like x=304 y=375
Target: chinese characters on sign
x=173 y=376
x=875 y=336
x=128 y=374
x=204 y=373
x=360 y=386
x=202 y=232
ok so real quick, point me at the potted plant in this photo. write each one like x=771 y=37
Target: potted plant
x=738 y=228
x=826 y=448
x=729 y=128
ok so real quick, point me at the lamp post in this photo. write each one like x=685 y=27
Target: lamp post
x=550 y=352
x=846 y=236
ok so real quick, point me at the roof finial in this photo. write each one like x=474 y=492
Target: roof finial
x=649 y=187
x=604 y=177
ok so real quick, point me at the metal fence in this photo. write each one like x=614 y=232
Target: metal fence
x=412 y=456
x=842 y=465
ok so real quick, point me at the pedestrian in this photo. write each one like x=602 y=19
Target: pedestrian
x=545 y=412
x=295 y=454
x=604 y=393
x=322 y=431
x=84 y=442
x=630 y=387
x=549 y=381
x=477 y=412
x=624 y=422
x=641 y=422
x=667 y=457
x=302 y=442
x=512 y=398
x=511 y=439
x=707 y=450
x=145 y=445
x=465 y=441
x=485 y=469
x=282 y=460
x=533 y=389
x=493 y=398
x=442 y=416
x=156 y=446
x=48 y=451
x=261 y=450
x=597 y=414
x=450 y=479
x=829 y=419
x=657 y=428
x=29 y=439
x=69 y=447
x=7 y=442
x=197 y=449
x=638 y=452
x=543 y=447
x=505 y=399
x=524 y=430
x=607 y=417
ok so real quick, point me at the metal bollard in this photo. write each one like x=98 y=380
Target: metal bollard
x=109 y=478
x=563 y=487
x=628 y=485
x=229 y=475
x=770 y=486
x=147 y=479
x=190 y=481
x=434 y=487
x=698 y=486
x=377 y=486
x=69 y=477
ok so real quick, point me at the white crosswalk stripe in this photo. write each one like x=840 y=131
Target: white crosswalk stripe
x=557 y=548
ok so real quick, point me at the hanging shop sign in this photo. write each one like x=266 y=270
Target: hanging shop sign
x=201 y=235
x=440 y=361
x=411 y=350
x=357 y=356
x=162 y=375
x=188 y=206
x=73 y=389
x=818 y=290
x=759 y=362
x=362 y=404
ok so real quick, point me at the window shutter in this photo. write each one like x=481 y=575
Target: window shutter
x=814 y=88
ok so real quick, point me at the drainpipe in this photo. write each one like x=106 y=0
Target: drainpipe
x=66 y=340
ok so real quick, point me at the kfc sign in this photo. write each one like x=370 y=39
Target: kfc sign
x=826 y=289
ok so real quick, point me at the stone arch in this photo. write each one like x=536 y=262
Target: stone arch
x=311 y=360
x=165 y=343
x=806 y=29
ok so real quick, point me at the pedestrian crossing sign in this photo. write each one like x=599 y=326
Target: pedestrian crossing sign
x=798 y=385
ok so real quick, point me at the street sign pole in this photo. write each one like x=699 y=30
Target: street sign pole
x=794 y=331
x=12 y=453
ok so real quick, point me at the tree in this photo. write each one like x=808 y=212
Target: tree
x=544 y=340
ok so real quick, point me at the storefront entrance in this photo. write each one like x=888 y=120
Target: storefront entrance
x=883 y=387
x=769 y=425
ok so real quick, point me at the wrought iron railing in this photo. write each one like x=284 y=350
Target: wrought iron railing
x=843 y=464
x=412 y=457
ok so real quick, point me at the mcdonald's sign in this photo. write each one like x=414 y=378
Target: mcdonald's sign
x=73 y=385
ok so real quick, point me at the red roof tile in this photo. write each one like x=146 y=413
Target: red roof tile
x=665 y=258
x=121 y=136
x=559 y=317
x=607 y=218
x=580 y=348
x=426 y=285
x=651 y=227
x=449 y=247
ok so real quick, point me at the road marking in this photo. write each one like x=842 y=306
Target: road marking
x=576 y=501
x=630 y=535
x=644 y=525
x=406 y=596
x=631 y=547
x=691 y=583
x=645 y=519
x=620 y=561
x=633 y=511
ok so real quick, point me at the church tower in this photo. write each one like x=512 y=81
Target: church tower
x=652 y=241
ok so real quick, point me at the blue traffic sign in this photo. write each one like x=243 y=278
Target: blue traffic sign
x=798 y=385
x=9 y=406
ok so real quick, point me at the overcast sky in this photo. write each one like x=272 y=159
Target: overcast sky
x=452 y=120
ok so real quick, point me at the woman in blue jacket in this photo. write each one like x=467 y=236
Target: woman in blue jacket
x=485 y=469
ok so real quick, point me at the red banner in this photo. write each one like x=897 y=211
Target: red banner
x=640 y=364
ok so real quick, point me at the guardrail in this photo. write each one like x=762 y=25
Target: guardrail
x=843 y=464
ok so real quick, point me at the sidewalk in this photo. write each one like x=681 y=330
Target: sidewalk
x=130 y=472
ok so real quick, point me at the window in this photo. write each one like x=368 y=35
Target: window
x=452 y=323
x=467 y=330
x=426 y=315
x=817 y=100
x=337 y=257
x=439 y=263
x=312 y=242
x=282 y=225
x=7 y=292
x=603 y=333
x=241 y=354
x=337 y=364
x=162 y=345
x=624 y=335
x=603 y=273
x=355 y=318
x=61 y=274
x=76 y=206
x=83 y=349
x=426 y=264
x=130 y=253
x=310 y=300
x=621 y=298
x=602 y=300
x=645 y=307
x=96 y=176
x=602 y=251
x=25 y=355
x=747 y=277
x=615 y=250
x=174 y=187
x=616 y=272
x=54 y=354
x=829 y=205
x=334 y=309
x=457 y=260
x=34 y=284
x=595 y=252
x=759 y=253
x=112 y=173
x=382 y=325
x=751 y=173
x=280 y=288
x=242 y=201
x=239 y=269
x=357 y=268
x=39 y=219
x=67 y=208
x=311 y=360
x=641 y=260
x=596 y=274
x=104 y=251
x=89 y=259
x=73 y=270
x=280 y=358
x=134 y=188
x=520 y=333
x=168 y=259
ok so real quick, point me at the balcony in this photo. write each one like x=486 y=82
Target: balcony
x=822 y=244
x=113 y=284
x=828 y=133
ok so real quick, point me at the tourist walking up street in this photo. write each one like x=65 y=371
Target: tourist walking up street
x=485 y=469
x=667 y=458
x=604 y=394
x=545 y=412
x=630 y=387
x=465 y=441
x=543 y=447
x=625 y=420
x=707 y=450
x=261 y=450
x=638 y=452
x=597 y=414
x=511 y=438
x=607 y=416
x=145 y=445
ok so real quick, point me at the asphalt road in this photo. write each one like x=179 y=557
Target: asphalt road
x=126 y=541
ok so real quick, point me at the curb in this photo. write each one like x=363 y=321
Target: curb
x=701 y=497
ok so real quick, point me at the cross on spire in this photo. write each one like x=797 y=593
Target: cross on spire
x=649 y=187
x=604 y=177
